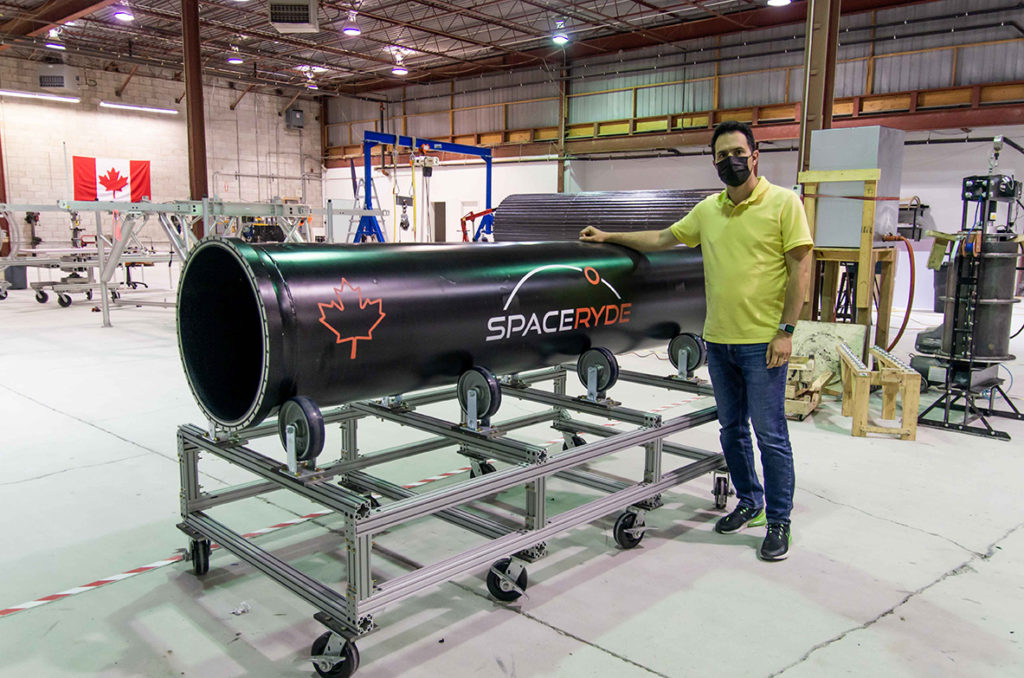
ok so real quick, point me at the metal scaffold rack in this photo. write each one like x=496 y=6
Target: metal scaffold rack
x=92 y=269
x=346 y=487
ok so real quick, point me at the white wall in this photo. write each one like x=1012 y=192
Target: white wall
x=252 y=139
x=459 y=186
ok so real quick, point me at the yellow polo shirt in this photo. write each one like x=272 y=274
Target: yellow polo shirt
x=744 y=250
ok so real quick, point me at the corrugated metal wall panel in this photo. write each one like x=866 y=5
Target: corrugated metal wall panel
x=344 y=109
x=850 y=78
x=699 y=96
x=528 y=116
x=796 y=84
x=846 y=52
x=421 y=91
x=358 y=129
x=913 y=71
x=654 y=101
x=740 y=60
x=753 y=89
x=990 y=63
x=504 y=94
x=427 y=105
x=478 y=120
x=434 y=125
x=611 y=106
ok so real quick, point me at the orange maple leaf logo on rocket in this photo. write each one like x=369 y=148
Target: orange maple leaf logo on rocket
x=356 y=317
x=113 y=181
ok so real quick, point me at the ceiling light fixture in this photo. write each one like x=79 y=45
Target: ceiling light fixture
x=144 y=109
x=399 y=55
x=38 y=95
x=123 y=13
x=778 y=3
x=351 y=27
x=235 y=58
x=560 y=37
x=55 y=45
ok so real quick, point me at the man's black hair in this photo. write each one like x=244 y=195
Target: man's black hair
x=727 y=126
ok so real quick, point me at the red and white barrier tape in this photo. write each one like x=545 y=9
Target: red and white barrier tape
x=248 y=535
x=179 y=557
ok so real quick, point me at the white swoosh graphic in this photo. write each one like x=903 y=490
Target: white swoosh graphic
x=545 y=268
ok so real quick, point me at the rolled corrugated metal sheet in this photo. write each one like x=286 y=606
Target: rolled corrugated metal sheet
x=526 y=217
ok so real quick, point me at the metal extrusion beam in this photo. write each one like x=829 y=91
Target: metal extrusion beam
x=432 y=502
x=395 y=589
x=577 y=426
x=309 y=485
x=638 y=417
x=462 y=518
x=313 y=591
x=670 y=382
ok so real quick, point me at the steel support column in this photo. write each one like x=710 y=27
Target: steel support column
x=822 y=43
x=196 y=120
x=5 y=236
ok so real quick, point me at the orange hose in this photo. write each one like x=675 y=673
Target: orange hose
x=913 y=281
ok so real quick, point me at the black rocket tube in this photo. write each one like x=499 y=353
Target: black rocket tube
x=259 y=324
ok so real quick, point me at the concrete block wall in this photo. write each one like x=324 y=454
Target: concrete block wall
x=40 y=137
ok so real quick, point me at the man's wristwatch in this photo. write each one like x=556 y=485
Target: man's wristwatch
x=788 y=329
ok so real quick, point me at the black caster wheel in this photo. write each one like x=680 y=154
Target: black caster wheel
x=115 y=295
x=88 y=295
x=487 y=388
x=696 y=351
x=621 y=532
x=199 y=554
x=485 y=468
x=577 y=441
x=63 y=300
x=606 y=364
x=3 y=294
x=499 y=587
x=303 y=413
x=721 y=492
x=42 y=297
x=334 y=657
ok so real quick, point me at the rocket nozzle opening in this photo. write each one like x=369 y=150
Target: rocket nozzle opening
x=220 y=333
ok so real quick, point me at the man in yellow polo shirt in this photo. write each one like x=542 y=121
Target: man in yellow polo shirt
x=755 y=242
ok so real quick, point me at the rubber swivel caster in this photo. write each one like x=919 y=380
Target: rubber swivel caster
x=334 y=657
x=3 y=294
x=485 y=468
x=628 y=531
x=42 y=297
x=63 y=300
x=199 y=554
x=504 y=583
x=577 y=441
x=721 y=491
x=302 y=413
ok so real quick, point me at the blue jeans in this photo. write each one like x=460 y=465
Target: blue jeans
x=746 y=391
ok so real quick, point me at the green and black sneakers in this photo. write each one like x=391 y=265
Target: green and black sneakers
x=742 y=516
x=776 y=542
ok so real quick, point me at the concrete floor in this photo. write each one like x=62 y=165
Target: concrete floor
x=906 y=557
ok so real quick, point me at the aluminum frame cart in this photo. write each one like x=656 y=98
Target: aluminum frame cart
x=350 y=613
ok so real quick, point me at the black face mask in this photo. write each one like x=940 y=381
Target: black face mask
x=733 y=170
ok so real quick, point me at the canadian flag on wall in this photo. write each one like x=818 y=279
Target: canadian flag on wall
x=111 y=179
